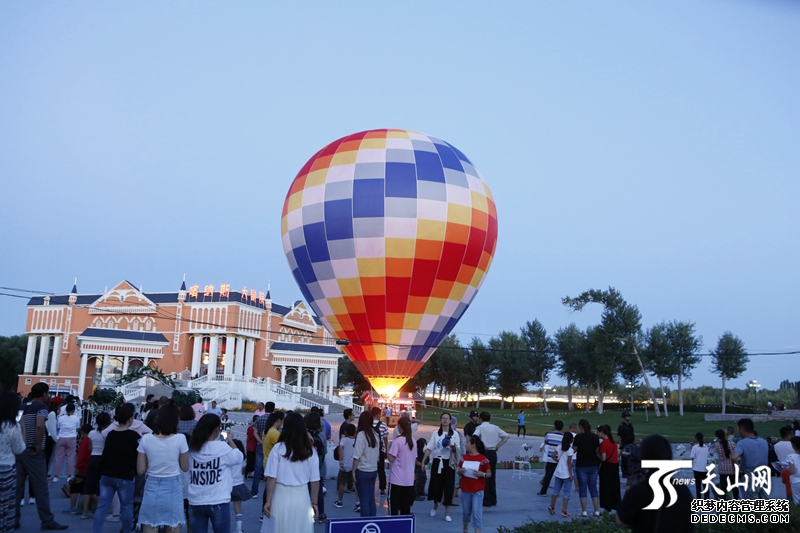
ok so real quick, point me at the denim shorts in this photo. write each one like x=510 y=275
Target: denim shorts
x=160 y=504
x=561 y=485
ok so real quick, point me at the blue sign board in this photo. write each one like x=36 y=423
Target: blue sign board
x=373 y=524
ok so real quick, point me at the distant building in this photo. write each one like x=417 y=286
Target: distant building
x=76 y=341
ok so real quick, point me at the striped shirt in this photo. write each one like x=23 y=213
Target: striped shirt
x=33 y=411
x=552 y=443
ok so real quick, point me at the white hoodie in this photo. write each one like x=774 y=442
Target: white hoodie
x=210 y=480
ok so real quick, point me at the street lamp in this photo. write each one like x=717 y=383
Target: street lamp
x=630 y=386
x=755 y=385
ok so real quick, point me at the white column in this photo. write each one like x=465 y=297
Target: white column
x=283 y=374
x=316 y=379
x=125 y=361
x=56 y=355
x=230 y=340
x=146 y=361
x=30 y=354
x=44 y=347
x=238 y=366
x=250 y=355
x=331 y=380
x=82 y=376
x=213 y=351
x=103 y=369
x=197 y=346
x=299 y=376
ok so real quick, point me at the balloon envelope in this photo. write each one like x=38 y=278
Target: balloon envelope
x=389 y=234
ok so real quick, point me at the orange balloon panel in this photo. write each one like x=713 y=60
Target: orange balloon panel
x=389 y=234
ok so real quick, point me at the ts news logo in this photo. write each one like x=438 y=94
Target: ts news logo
x=661 y=480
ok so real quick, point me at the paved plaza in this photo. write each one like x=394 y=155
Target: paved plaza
x=517 y=502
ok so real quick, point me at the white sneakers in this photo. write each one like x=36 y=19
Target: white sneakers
x=448 y=519
x=433 y=512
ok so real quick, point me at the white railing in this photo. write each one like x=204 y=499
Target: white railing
x=134 y=389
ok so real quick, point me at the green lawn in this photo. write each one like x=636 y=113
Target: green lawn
x=675 y=428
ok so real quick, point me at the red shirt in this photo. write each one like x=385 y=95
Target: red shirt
x=610 y=449
x=474 y=485
x=251 y=438
x=84 y=453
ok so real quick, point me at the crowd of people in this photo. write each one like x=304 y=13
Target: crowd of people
x=128 y=465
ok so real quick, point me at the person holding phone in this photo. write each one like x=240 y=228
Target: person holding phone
x=210 y=479
x=442 y=444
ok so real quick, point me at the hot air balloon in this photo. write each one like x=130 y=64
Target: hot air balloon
x=389 y=234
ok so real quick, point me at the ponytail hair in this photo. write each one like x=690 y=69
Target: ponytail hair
x=723 y=442
x=699 y=437
x=566 y=441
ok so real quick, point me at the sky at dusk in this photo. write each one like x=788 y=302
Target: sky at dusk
x=652 y=148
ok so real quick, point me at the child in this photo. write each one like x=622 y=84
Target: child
x=699 y=463
x=346 y=451
x=91 y=487
x=420 y=474
x=730 y=434
x=794 y=469
x=563 y=475
x=474 y=468
x=240 y=492
x=76 y=484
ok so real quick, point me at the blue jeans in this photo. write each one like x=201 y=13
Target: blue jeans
x=587 y=478
x=365 y=486
x=124 y=488
x=219 y=515
x=259 y=470
x=472 y=508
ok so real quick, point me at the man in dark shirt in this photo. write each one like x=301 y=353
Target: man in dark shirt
x=153 y=414
x=626 y=436
x=259 y=427
x=474 y=421
x=31 y=462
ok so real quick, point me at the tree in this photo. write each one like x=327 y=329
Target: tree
x=569 y=345
x=451 y=367
x=541 y=358
x=786 y=384
x=599 y=366
x=12 y=360
x=685 y=345
x=729 y=360
x=659 y=356
x=620 y=323
x=513 y=369
x=478 y=366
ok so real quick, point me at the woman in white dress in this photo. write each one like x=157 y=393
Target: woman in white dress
x=292 y=465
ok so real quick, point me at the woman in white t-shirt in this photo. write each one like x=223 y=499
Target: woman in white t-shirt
x=68 y=425
x=699 y=463
x=442 y=445
x=210 y=479
x=563 y=476
x=163 y=454
x=292 y=465
x=365 y=463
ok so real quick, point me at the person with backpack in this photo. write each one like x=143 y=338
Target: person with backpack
x=383 y=430
x=563 y=475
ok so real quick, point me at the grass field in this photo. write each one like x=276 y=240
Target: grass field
x=675 y=428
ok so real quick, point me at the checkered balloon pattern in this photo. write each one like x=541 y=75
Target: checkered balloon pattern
x=389 y=234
